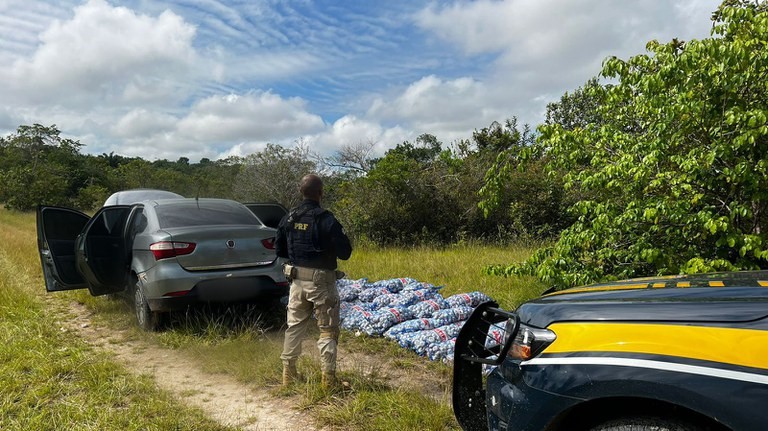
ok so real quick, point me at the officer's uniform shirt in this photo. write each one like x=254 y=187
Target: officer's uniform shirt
x=310 y=236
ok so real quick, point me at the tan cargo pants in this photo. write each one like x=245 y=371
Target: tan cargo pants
x=312 y=290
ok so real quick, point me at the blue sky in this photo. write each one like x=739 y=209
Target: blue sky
x=165 y=79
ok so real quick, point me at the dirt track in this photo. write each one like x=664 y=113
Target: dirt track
x=223 y=398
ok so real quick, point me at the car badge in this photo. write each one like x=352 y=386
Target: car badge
x=230 y=243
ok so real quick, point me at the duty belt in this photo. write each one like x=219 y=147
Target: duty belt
x=303 y=273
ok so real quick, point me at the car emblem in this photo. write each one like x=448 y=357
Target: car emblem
x=230 y=243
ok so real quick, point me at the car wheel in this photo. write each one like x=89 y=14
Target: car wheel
x=147 y=319
x=644 y=423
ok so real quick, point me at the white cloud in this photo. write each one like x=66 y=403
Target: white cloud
x=433 y=105
x=214 y=127
x=549 y=29
x=106 y=54
x=241 y=150
x=260 y=116
x=143 y=123
x=543 y=48
x=350 y=131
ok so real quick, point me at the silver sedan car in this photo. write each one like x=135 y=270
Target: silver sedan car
x=167 y=253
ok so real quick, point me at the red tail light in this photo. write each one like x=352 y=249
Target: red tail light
x=166 y=249
x=268 y=243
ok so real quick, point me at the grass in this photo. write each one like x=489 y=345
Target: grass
x=243 y=342
x=457 y=268
x=50 y=378
x=387 y=410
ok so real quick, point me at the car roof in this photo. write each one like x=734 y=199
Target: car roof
x=132 y=196
x=190 y=202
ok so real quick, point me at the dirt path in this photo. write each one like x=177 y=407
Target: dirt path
x=228 y=401
x=408 y=375
x=222 y=398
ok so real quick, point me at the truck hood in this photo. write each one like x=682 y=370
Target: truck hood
x=715 y=297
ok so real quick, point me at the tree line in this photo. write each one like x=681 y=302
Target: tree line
x=420 y=192
x=658 y=165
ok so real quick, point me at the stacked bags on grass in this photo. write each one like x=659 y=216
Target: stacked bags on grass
x=410 y=312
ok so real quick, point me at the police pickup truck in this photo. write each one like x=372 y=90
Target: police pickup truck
x=677 y=353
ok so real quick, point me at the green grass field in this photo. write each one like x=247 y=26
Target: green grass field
x=49 y=378
x=458 y=269
x=52 y=380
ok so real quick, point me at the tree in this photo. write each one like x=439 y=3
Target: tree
x=409 y=196
x=677 y=170
x=424 y=150
x=354 y=158
x=517 y=194
x=579 y=109
x=273 y=175
x=39 y=167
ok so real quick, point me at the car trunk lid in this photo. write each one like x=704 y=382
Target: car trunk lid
x=225 y=247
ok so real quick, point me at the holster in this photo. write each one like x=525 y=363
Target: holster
x=289 y=271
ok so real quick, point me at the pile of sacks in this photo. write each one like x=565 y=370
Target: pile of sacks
x=412 y=313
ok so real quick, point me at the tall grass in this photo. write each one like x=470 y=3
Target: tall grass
x=457 y=268
x=49 y=378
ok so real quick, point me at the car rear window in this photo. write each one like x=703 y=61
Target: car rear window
x=189 y=214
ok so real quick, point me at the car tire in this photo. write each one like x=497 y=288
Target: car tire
x=644 y=423
x=147 y=319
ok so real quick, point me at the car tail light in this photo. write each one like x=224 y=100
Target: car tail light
x=166 y=249
x=268 y=243
x=528 y=342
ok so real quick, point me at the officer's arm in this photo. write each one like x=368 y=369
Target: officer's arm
x=281 y=240
x=340 y=241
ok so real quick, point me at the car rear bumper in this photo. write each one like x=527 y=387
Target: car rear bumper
x=244 y=289
x=170 y=287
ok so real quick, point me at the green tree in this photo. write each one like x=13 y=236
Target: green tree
x=677 y=169
x=579 y=109
x=39 y=167
x=517 y=194
x=407 y=197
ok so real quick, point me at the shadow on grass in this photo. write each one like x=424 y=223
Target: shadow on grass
x=228 y=320
x=266 y=316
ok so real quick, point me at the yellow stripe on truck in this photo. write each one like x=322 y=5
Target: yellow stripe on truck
x=600 y=288
x=743 y=347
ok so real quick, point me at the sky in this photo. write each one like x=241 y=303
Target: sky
x=164 y=79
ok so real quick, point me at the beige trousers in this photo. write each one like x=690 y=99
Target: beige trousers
x=313 y=290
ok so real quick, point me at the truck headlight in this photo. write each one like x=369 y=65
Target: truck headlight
x=528 y=341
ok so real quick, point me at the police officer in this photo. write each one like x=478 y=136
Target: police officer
x=311 y=239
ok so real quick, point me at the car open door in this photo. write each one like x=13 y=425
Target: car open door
x=102 y=251
x=270 y=214
x=57 y=229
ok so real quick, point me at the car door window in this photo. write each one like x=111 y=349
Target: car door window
x=269 y=214
x=138 y=224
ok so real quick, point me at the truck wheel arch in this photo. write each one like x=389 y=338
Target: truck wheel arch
x=589 y=414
